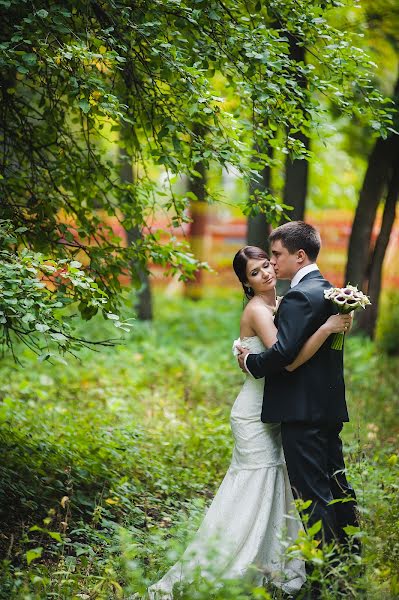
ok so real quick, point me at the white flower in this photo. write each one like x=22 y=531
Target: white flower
x=352 y=303
x=339 y=299
x=347 y=298
x=363 y=300
x=347 y=292
x=332 y=293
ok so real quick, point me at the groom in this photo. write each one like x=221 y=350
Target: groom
x=310 y=401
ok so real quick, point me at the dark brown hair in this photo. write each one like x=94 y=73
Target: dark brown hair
x=240 y=265
x=297 y=235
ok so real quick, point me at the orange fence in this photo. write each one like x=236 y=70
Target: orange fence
x=225 y=235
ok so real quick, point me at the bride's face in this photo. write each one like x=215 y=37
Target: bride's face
x=260 y=275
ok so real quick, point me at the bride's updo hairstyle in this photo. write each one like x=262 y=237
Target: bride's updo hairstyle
x=240 y=265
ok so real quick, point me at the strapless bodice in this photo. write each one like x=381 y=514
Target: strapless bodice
x=252 y=342
x=257 y=444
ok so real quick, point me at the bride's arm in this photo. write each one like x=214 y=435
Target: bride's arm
x=334 y=324
x=262 y=323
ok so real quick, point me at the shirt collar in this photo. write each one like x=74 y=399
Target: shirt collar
x=302 y=272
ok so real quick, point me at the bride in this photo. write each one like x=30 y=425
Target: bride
x=253 y=512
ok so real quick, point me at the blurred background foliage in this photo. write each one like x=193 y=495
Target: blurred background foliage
x=121 y=125
x=141 y=146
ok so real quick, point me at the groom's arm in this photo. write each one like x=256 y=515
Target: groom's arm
x=294 y=327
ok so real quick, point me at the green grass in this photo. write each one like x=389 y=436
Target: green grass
x=112 y=459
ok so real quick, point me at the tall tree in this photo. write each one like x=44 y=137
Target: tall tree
x=380 y=21
x=64 y=90
x=297 y=170
x=364 y=265
x=368 y=319
x=198 y=219
x=258 y=226
x=371 y=194
x=138 y=271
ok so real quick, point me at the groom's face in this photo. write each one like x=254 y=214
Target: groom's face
x=284 y=263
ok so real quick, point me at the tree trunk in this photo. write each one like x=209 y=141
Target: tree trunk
x=296 y=182
x=143 y=301
x=197 y=230
x=258 y=229
x=297 y=170
x=374 y=183
x=375 y=180
x=368 y=319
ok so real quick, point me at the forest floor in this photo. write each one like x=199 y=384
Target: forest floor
x=108 y=462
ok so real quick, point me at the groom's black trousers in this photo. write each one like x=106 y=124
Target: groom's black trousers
x=316 y=468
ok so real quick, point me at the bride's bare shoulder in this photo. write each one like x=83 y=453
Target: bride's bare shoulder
x=257 y=319
x=256 y=306
x=254 y=309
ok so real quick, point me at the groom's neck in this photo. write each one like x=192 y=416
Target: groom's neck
x=302 y=266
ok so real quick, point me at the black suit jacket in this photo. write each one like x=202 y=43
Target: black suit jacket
x=315 y=392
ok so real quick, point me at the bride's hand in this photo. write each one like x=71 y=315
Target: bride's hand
x=338 y=323
x=241 y=357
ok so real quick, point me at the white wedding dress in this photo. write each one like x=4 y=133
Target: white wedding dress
x=252 y=514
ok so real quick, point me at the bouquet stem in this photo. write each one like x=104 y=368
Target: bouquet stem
x=338 y=341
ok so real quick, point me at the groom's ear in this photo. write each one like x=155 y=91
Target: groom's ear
x=301 y=256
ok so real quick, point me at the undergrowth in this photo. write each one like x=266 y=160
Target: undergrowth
x=109 y=462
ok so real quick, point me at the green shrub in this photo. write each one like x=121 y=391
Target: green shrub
x=388 y=323
x=108 y=463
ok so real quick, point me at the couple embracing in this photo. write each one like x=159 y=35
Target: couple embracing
x=286 y=423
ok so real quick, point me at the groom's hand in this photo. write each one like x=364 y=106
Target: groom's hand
x=241 y=357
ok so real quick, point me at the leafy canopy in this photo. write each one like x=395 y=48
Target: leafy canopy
x=81 y=78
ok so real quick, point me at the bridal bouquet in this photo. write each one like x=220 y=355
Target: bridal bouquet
x=346 y=299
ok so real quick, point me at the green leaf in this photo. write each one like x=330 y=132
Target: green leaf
x=59 y=337
x=84 y=105
x=55 y=535
x=42 y=13
x=33 y=554
x=314 y=529
x=28 y=318
x=30 y=58
x=351 y=530
x=341 y=500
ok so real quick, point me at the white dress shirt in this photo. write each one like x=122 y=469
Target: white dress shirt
x=302 y=272
x=294 y=281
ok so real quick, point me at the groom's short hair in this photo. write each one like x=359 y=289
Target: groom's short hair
x=297 y=235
